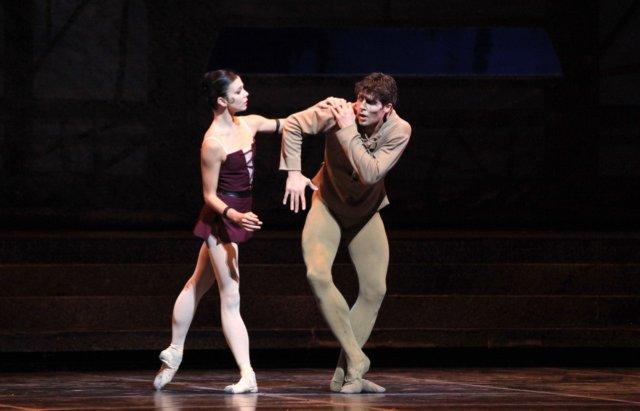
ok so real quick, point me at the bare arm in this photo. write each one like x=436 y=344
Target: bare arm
x=211 y=157
x=261 y=124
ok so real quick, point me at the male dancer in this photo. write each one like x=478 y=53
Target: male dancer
x=350 y=192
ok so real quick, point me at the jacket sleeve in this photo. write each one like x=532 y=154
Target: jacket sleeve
x=313 y=120
x=372 y=167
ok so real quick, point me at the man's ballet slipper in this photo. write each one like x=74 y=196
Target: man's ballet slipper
x=371 y=387
x=171 y=360
x=368 y=387
x=352 y=387
x=338 y=375
x=338 y=380
x=353 y=380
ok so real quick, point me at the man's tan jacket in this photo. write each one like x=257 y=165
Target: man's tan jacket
x=351 y=179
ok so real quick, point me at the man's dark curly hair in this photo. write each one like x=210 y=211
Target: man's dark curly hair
x=379 y=86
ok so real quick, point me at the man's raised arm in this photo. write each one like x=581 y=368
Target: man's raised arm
x=371 y=167
x=313 y=120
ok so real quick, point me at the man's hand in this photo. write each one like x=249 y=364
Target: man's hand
x=330 y=102
x=295 y=191
x=342 y=112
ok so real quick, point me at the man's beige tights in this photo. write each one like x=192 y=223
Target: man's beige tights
x=369 y=251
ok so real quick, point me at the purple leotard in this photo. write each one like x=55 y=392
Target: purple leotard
x=234 y=188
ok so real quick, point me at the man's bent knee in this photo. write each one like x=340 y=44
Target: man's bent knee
x=319 y=279
x=373 y=293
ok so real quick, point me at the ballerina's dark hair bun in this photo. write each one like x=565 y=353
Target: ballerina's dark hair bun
x=215 y=84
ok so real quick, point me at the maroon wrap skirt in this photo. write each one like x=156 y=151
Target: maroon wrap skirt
x=223 y=229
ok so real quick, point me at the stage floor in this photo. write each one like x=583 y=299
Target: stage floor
x=409 y=388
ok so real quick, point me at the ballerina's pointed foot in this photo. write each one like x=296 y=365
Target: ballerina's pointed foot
x=247 y=384
x=171 y=359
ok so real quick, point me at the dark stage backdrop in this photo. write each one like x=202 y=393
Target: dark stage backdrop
x=102 y=117
x=525 y=114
